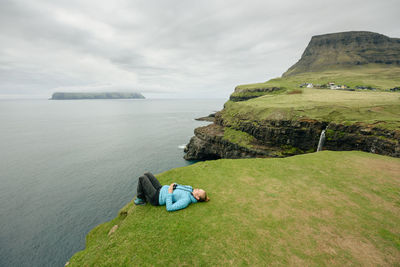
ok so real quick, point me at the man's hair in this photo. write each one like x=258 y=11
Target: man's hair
x=205 y=199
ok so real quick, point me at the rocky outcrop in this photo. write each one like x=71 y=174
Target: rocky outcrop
x=209 y=118
x=279 y=138
x=246 y=94
x=347 y=49
x=209 y=143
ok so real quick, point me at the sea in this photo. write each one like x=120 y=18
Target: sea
x=69 y=165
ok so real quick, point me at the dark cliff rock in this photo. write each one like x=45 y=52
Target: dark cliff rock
x=208 y=143
x=347 y=49
x=210 y=118
x=279 y=138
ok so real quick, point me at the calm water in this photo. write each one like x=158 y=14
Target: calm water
x=67 y=166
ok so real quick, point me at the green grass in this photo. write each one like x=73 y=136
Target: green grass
x=245 y=94
x=374 y=75
x=238 y=137
x=325 y=208
x=379 y=108
x=381 y=77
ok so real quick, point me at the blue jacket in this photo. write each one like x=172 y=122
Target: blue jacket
x=180 y=198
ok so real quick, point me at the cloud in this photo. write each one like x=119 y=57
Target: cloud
x=191 y=48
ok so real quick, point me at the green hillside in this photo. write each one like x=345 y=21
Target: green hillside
x=380 y=107
x=374 y=75
x=325 y=208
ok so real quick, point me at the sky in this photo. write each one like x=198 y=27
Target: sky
x=167 y=48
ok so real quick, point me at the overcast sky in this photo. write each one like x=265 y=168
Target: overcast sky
x=164 y=48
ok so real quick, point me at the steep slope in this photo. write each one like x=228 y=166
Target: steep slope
x=347 y=49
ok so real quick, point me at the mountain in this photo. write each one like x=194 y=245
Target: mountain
x=336 y=50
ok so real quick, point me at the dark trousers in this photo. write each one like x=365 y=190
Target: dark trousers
x=148 y=188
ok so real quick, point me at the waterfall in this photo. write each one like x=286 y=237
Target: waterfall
x=321 y=141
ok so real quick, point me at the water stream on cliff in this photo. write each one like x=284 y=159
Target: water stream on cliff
x=67 y=166
x=321 y=141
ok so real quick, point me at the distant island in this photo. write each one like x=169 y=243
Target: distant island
x=102 y=95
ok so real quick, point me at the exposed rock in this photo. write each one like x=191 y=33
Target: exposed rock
x=347 y=49
x=278 y=138
x=210 y=118
x=113 y=229
x=208 y=143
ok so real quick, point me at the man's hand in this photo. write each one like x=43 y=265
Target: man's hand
x=171 y=188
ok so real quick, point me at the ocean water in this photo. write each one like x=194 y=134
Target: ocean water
x=67 y=166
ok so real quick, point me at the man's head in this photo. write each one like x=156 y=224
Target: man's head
x=200 y=195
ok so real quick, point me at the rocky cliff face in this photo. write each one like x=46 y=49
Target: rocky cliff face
x=208 y=143
x=280 y=138
x=347 y=49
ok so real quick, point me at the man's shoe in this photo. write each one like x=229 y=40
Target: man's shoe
x=139 y=201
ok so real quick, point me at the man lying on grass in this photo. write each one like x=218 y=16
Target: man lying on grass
x=175 y=196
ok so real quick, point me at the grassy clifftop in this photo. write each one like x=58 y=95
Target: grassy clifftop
x=374 y=75
x=352 y=59
x=379 y=107
x=315 y=209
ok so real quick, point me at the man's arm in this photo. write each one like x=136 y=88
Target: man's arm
x=178 y=205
